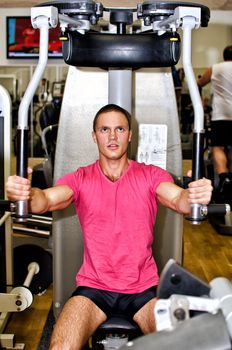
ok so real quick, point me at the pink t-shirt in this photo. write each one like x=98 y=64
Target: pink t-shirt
x=117 y=220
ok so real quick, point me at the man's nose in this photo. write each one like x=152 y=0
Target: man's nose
x=112 y=134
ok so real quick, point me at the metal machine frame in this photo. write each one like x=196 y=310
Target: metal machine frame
x=186 y=17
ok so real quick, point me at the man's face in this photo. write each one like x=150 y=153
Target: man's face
x=112 y=135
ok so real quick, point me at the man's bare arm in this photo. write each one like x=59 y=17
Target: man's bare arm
x=179 y=199
x=54 y=198
x=40 y=201
x=205 y=78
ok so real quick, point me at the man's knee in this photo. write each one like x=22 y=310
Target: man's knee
x=145 y=317
x=78 y=320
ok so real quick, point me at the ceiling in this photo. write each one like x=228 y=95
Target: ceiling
x=212 y=4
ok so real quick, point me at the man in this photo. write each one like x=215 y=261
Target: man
x=116 y=202
x=220 y=76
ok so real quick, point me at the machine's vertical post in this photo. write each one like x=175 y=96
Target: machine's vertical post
x=120 y=87
x=6 y=276
x=198 y=132
x=6 y=256
x=41 y=21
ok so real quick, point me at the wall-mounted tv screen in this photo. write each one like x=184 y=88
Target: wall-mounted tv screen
x=23 y=39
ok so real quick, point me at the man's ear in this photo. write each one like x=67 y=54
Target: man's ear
x=94 y=137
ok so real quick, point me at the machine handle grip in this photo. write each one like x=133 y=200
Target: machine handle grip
x=197 y=172
x=21 y=207
x=22 y=152
x=218 y=209
x=197 y=155
x=199 y=212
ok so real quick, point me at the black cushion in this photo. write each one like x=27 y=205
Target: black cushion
x=117 y=323
x=127 y=51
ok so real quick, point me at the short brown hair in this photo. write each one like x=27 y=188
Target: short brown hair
x=227 y=53
x=109 y=108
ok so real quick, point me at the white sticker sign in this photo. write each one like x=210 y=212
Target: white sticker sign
x=152 y=147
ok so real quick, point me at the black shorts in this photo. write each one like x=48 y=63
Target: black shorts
x=117 y=304
x=221 y=133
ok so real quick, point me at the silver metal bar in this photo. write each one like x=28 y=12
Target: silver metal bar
x=47 y=218
x=189 y=24
x=33 y=269
x=120 y=87
x=43 y=137
x=38 y=73
x=36 y=221
x=43 y=19
x=31 y=231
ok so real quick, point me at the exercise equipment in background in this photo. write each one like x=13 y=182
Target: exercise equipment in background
x=42 y=175
x=32 y=266
x=189 y=313
x=23 y=255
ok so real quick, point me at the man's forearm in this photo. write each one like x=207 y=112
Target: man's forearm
x=179 y=199
x=38 y=202
x=173 y=197
x=182 y=204
x=50 y=199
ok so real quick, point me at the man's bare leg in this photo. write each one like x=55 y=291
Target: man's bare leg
x=78 y=320
x=145 y=317
x=219 y=159
x=230 y=159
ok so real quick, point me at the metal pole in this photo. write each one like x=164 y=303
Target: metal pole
x=22 y=136
x=189 y=23
x=120 y=88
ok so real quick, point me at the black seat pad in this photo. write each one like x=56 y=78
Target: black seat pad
x=117 y=323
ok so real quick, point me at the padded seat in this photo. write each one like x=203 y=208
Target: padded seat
x=118 y=324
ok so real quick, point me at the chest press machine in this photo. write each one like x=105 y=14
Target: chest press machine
x=119 y=62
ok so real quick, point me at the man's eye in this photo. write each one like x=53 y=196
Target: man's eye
x=120 y=129
x=104 y=130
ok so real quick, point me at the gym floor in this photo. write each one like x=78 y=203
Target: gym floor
x=206 y=254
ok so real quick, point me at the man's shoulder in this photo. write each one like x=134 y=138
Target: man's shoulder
x=88 y=167
x=145 y=167
x=81 y=171
x=222 y=65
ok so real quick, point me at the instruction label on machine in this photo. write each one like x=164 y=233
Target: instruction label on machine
x=152 y=148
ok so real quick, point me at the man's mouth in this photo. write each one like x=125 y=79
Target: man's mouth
x=112 y=146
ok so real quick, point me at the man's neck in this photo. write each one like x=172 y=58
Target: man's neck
x=113 y=169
